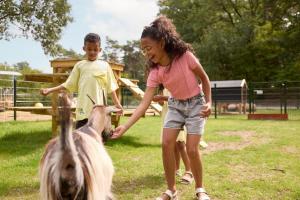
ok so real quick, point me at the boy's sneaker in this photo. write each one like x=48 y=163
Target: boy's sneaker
x=203 y=144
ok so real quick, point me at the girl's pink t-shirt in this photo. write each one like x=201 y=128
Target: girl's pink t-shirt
x=179 y=79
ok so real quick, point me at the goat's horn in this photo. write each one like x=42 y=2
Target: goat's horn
x=91 y=99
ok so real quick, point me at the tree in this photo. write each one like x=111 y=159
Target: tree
x=130 y=55
x=252 y=39
x=112 y=50
x=69 y=53
x=134 y=60
x=43 y=20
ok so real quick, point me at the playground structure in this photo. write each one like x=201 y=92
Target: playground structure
x=61 y=69
x=138 y=93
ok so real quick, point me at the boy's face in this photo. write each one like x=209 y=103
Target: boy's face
x=92 y=50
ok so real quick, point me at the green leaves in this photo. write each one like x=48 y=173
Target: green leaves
x=129 y=54
x=43 y=20
x=253 y=39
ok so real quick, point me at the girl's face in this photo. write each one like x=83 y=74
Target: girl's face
x=153 y=50
x=92 y=50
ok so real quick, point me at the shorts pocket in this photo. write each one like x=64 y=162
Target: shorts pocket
x=200 y=101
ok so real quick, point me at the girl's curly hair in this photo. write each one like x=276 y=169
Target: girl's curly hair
x=162 y=28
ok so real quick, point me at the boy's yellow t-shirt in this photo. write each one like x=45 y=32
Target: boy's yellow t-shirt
x=93 y=78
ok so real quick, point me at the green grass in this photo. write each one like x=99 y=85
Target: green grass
x=252 y=172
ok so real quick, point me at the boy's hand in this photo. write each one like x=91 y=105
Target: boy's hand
x=159 y=98
x=121 y=109
x=118 y=132
x=205 y=110
x=44 y=91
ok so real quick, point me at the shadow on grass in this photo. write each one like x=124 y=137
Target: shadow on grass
x=136 y=184
x=129 y=141
x=22 y=143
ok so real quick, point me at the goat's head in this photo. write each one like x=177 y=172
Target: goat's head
x=101 y=115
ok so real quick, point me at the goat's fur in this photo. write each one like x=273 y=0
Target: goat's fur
x=75 y=165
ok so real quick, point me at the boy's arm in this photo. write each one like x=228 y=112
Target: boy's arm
x=46 y=91
x=116 y=100
x=160 y=98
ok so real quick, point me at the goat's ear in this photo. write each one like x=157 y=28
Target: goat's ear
x=64 y=99
x=112 y=109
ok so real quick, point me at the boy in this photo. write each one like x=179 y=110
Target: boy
x=90 y=77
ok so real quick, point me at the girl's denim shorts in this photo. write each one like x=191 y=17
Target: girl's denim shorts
x=186 y=113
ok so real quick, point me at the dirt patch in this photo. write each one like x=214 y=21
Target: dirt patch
x=243 y=172
x=22 y=116
x=290 y=149
x=246 y=140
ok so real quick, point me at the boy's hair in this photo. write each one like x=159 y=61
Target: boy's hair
x=162 y=28
x=93 y=38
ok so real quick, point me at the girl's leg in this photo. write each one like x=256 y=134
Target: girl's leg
x=183 y=153
x=195 y=159
x=168 y=146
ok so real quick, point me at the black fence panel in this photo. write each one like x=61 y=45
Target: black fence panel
x=275 y=98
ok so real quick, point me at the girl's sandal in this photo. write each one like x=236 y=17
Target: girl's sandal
x=169 y=194
x=187 y=178
x=201 y=194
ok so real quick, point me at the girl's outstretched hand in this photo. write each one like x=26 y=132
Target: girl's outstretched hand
x=119 y=131
x=205 y=110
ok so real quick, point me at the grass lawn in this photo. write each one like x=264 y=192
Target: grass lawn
x=245 y=160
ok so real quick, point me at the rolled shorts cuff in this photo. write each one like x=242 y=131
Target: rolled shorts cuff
x=180 y=128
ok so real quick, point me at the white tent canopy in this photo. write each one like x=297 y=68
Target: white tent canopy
x=10 y=73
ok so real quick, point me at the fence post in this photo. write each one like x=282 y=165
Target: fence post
x=298 y=100
x=15 y=97
x=281 y=97
x=215 y=100
x=250 y=97
x=285 y=97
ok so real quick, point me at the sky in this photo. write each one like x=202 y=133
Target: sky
x=121 y=20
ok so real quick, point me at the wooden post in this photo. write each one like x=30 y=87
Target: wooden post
x=215 y=99
x=15 y=96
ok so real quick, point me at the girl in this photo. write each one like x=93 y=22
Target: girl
x=172 y=63
x=180 y=147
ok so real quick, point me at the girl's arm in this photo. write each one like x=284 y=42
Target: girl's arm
x=199 y=72
x=46 y=91
x=138 y=113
